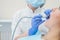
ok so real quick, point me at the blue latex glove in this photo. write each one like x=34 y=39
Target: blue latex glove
x=47 y=12
x=36 y=21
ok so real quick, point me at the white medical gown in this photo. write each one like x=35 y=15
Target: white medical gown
x=25 y=24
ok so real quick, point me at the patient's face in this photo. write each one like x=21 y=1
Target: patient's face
x=54 y=19
x=54 y=24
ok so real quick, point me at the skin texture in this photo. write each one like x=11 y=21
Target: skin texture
x=54 y=25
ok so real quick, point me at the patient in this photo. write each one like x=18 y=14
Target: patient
x=54 y=27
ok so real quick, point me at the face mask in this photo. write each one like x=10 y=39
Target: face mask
x=36 y=3
x=43 y=29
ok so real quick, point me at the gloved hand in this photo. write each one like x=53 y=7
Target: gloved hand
x=36 y=21
x=47 y=12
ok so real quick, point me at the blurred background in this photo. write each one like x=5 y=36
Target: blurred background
x=9 y=7
x=7 y=10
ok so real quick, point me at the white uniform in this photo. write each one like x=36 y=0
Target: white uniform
x=25 y=24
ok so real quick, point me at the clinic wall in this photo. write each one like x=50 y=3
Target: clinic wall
x=9 y=7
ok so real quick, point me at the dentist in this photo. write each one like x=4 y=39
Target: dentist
x=29 y=11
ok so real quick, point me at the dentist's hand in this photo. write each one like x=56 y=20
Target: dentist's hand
x=47 y=13
x=36 y=21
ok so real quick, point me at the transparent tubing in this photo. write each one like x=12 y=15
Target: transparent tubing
x=17 y=26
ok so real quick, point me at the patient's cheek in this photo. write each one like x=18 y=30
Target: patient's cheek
x=52 y=23
x=49 y=22
x=55 y=14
